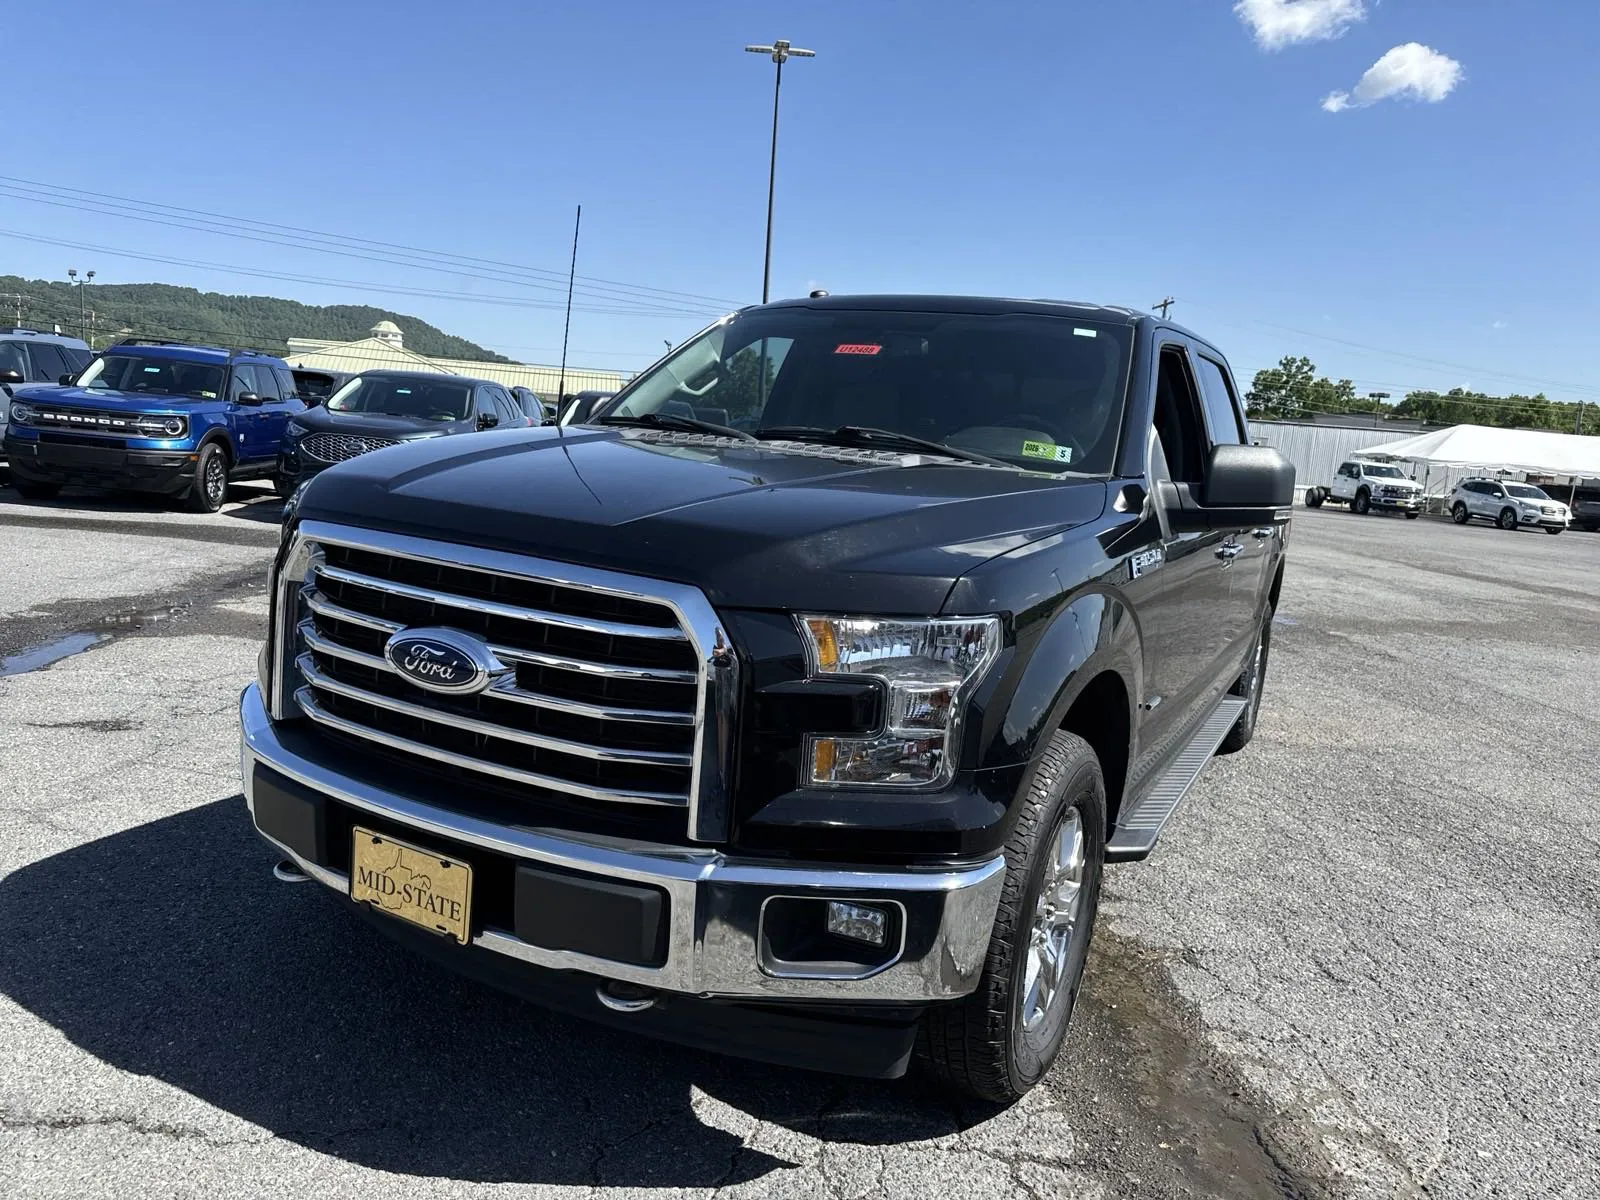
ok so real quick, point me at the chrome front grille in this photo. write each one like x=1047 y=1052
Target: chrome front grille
x=337 y=447
x=603 y=700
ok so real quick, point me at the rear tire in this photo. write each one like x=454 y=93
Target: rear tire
x=1551 y=530
x=1411 y=516
x=1362 y=504
x=1459 y=513
x=1508 y=519
x=1314 y=497
x=1249 y=686
x=37 y=491
x=999 y=1042
x=209 y=491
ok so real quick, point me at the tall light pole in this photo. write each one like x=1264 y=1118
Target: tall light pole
x=83 y=307
x=781 y=51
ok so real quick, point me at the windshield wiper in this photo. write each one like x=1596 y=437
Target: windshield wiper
x=656 y=420
x=867 y=436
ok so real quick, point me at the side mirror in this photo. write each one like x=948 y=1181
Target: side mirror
x=66 y=380
x=248 y=399
x=1244 y=485
x=487 y=420
x=11 y=377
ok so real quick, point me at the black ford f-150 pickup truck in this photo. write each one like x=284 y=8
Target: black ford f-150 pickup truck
x=791 y=705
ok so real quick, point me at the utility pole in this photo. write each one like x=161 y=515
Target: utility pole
x=781 y=51
x=1164 y=306
x=83 y=311
x=1578 y=427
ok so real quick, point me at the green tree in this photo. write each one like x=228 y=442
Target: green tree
x=1293 y=389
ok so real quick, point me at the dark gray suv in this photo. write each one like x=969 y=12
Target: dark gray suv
x=382 y=408
x=27 y=356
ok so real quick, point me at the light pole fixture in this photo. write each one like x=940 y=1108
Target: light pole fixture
x=83 y=308
x=780 y=51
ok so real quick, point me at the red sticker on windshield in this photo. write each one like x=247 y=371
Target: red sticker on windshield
x=857 y=348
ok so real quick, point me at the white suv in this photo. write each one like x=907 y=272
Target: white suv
x=1508 y=505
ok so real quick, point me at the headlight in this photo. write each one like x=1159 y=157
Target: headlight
x=927 y=669
x=21 y=413
x=161 y=427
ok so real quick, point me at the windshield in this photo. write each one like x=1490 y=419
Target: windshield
x=1376 y=472
x=148 y=373
x=1040 y=392
x=447 y=400
x=1525 y=492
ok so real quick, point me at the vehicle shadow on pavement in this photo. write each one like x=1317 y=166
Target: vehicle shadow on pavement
x=169 y=950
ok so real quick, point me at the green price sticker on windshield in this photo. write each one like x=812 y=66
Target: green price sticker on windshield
x=1060 y=454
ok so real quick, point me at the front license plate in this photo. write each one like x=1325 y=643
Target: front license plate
x=413 y=884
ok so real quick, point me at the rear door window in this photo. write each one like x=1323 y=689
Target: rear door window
x=266 y=383
x=48 y=365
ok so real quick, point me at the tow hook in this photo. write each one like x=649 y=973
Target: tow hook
x=288 y=871
x=626 y=997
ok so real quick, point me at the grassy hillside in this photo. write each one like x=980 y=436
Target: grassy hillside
x=255 y=322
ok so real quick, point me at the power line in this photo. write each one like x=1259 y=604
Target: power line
x=390 y=289
x=272 y=233
x=1401 y=355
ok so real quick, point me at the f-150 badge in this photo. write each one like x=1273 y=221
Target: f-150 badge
x=1145 y=560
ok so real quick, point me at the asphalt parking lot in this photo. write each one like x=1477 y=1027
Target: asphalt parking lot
x=1362 y=962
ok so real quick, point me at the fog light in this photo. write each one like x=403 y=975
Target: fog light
x=858 y=922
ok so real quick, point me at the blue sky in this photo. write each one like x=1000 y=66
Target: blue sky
x=1108 y=152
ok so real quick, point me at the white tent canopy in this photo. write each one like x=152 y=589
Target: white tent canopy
x=1531 y=450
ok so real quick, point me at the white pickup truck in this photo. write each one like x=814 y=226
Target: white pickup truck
x=1365 y=486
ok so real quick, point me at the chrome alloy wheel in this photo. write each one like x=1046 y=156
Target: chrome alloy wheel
x=1055 y=922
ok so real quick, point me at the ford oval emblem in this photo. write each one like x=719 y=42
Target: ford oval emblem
x=443 y=660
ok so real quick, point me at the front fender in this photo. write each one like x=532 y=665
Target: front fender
x=1092 y=633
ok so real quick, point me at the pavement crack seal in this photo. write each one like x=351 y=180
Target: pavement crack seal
x=1221 y=1136
x=73 y=1121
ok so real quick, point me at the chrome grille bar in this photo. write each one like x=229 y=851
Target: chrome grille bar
x=317 y=679
x=321 y=605
x=494 y=608
x=309 y=706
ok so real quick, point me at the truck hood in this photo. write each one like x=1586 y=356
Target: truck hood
x=107 y=400
x=754 y=526
x=320 y=420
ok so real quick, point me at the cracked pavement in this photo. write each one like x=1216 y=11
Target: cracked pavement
x=1361 y=963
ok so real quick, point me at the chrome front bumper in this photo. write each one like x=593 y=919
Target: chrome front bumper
x=716 y=902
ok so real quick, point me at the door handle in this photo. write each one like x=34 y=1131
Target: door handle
x=1229 y=551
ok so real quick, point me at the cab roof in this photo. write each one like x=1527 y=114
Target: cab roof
x=186 y=352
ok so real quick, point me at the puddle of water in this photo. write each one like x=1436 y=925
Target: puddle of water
x=37 y=658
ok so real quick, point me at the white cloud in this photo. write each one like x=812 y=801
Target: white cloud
x=1412 y=71
x=1280 y=23
x=1497 y=325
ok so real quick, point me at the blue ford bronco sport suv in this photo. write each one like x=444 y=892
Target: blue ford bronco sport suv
x=151 y=416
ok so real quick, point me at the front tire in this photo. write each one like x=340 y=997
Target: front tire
x=1508 y=519
x=210 y=488
x=1362 y=504
x=1411 y=516
x=1551 y=530
x=997 y=1043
